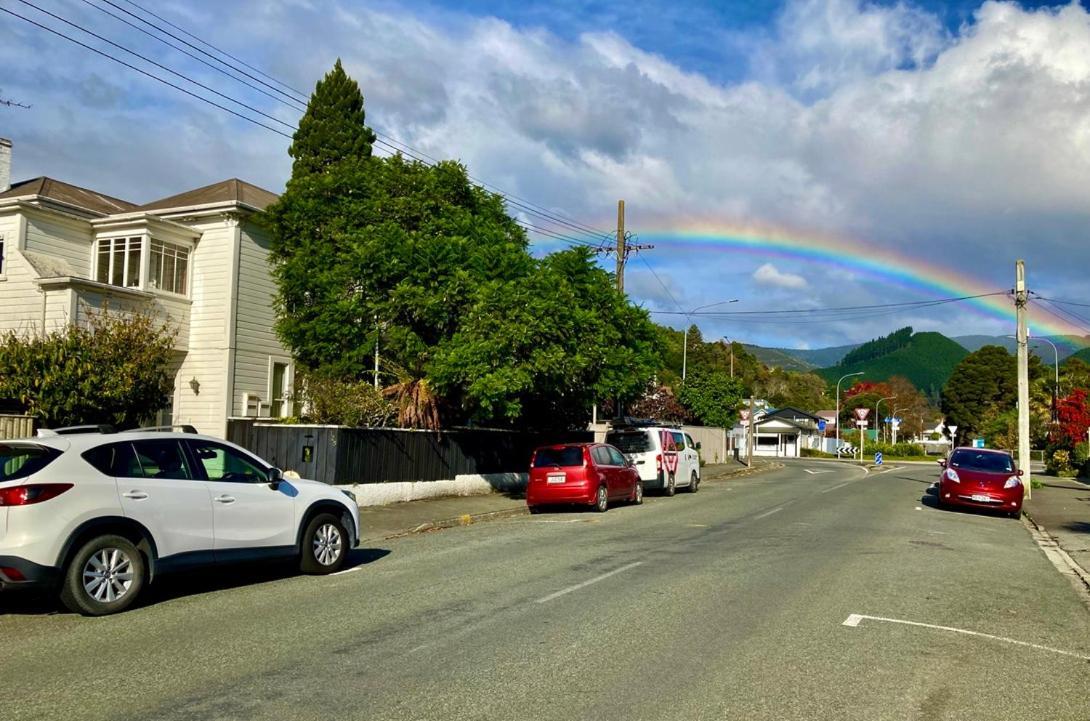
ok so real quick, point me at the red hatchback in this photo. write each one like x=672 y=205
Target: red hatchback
x=591 y=474
x=981 y=478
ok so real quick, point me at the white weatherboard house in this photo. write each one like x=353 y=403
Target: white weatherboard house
x=197 y=261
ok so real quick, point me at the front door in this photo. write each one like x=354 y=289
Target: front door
x=159 y=489
x=248 y=517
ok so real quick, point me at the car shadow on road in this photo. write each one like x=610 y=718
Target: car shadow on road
x=1077 y=526
x=189 y=583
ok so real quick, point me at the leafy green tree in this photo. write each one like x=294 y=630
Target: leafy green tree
x=712 y=397
x=982 y=387
x=116 y=370
x=540 y=349
x=333 y=128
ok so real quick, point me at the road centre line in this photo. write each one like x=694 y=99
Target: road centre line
x=854 y=620
x=766 y=514
x=815 y=473
x=839 y=485
x=347 y=570
x=584 y=584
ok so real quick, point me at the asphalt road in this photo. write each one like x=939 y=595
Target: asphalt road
x=729 y=604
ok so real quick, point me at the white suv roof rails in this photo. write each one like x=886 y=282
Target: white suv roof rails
x=73 y=430
x=182 y=427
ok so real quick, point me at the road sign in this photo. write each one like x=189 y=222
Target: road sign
x=744 y=414
x=861 y=424
x=822 y=424
x=862 y=413
x=978 y=443
x=877 y=459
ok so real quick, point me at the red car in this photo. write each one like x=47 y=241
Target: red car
x=591 y=474
x=981 y=478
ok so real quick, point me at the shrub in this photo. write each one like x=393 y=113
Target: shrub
x=115 y=370
x=344 y=402
x=1060 y=463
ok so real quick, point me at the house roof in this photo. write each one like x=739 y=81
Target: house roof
x=69 y=195
x=791 y=410
x=225 y=191
x=785 y=421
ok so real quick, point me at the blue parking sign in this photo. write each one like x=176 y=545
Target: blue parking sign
x=877 y=459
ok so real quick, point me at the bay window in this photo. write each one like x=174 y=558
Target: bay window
x=169 y=267
x=119 y=261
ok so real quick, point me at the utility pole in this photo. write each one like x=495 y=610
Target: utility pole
x=378 y=337
x=622 y=251
x=749 y=436
x=1021 y=296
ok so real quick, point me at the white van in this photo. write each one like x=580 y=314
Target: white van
x=665 y=456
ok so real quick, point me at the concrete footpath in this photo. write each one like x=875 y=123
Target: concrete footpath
x=1061 y=509
x=398 y=519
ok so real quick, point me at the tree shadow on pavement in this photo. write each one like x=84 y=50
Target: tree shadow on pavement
x=1077 y=526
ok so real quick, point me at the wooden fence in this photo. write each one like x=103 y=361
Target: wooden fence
x=341 y=455
x=16 y=427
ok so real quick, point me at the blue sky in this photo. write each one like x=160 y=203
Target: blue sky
x=957 y=132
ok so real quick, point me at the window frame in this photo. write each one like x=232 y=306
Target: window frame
x=183 y=453
x=177 y=248
x=3 y=259
x=191 y=449
x=112 y=240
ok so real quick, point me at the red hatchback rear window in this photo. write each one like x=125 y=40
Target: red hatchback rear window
x=563 y=456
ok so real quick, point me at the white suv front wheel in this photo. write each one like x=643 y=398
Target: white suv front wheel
x=325 y=545
x=105 y=576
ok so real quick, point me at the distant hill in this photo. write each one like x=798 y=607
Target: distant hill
x=797 y=359
x=1083 y=355
x=927 y=359
x=1065 y=344
x=779 y=358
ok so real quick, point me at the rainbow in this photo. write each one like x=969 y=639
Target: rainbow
x=928 y=280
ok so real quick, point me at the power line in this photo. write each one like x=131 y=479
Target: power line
x=134 y=26
x=417 y=154
x=218 y=50
x=388 y=141
x=1062 y=302
x=191 y=45
x=143 y=72
x=668 y=293
x=1075 y=319
x=907 y=304
x=158 y=65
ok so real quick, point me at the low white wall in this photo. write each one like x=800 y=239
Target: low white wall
x=475 y=484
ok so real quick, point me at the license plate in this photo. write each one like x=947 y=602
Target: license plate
x=981 y=498
x=556 y=478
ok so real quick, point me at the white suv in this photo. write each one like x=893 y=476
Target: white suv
x=100 y=514
x=665 y=456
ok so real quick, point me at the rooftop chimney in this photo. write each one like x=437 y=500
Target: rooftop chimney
x=5 y=164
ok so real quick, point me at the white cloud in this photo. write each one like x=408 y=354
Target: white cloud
x=768 y=274
x=858 y=119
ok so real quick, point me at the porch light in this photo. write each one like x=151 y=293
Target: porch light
x=195 y=385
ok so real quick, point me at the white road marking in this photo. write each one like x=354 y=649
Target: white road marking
x=588 y=582
x=347 y=570
x=766 y=514
x=815 y=473
x=839 y=485
x=854 y=620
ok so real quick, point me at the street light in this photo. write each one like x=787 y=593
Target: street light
x=730 y=344
x=1056 y=384
x=849 y=375
x=876 y=416
x=893 y=424
x=685 y=341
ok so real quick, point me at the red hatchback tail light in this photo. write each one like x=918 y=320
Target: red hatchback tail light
x=33 y=493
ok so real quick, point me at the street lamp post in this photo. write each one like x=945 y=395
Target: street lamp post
x=730 y=344
x=849 y=375
x=685 y=339
x=876 y=416
x=1056 y=382
x=893 y=424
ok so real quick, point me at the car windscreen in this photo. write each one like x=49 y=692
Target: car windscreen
x=562 y=456
x=979 y=461
x=19 y=460
x=630 y=441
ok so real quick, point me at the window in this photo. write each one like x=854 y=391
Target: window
x=119 y=261
x=19 y=460
x=679 y=440
x=616 y=457
x=161 y=459
x=168 y=267
x=601 y=456
x=630 y=441
x=564 y=456
x=115 y=459
x=2 y=258
x=221 y=463
x=278 y=390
